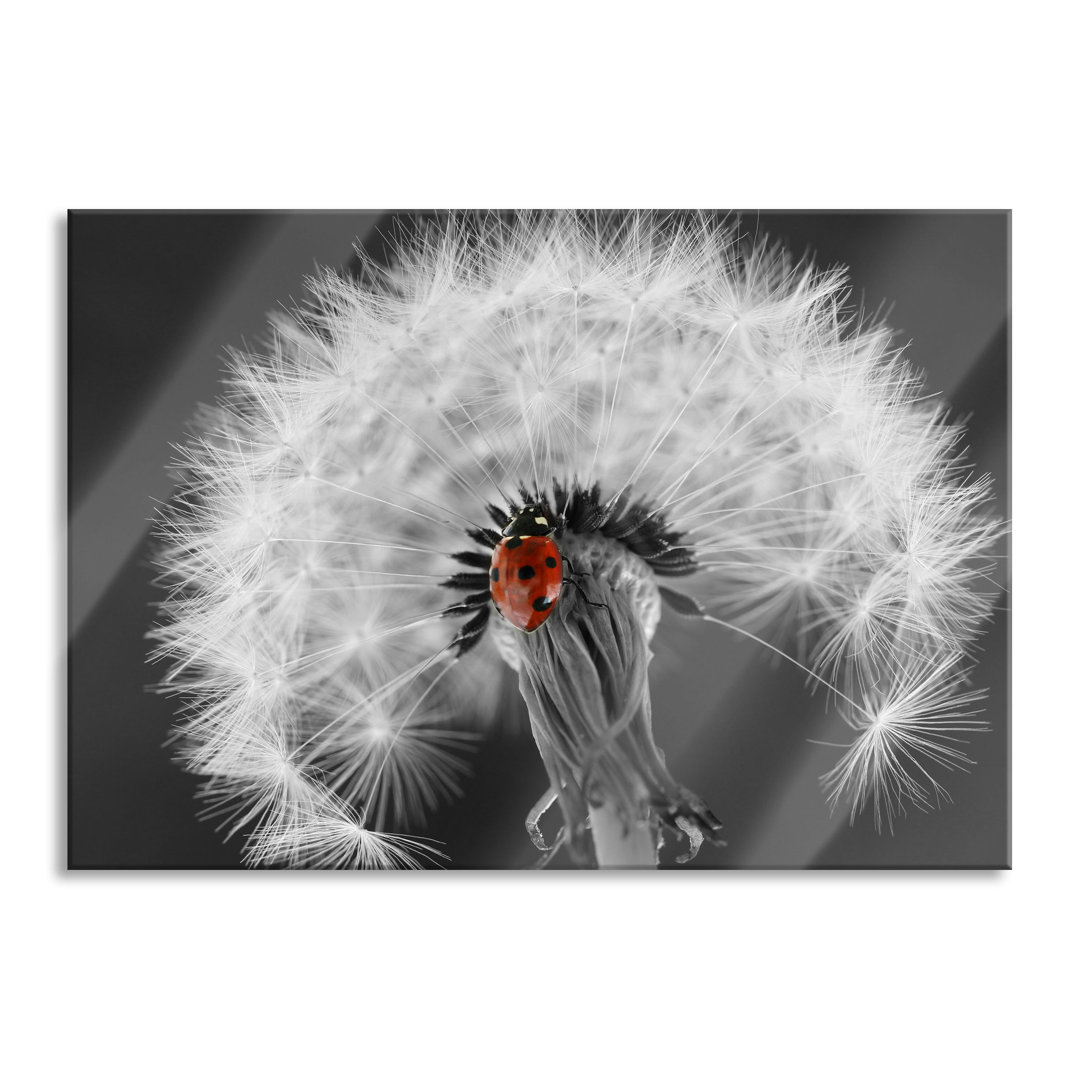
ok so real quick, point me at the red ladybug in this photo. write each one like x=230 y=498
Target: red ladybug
x=526 y=570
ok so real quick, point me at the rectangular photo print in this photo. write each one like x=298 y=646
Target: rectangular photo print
x=576 y=539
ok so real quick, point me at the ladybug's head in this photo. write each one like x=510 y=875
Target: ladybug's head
x=532 y=520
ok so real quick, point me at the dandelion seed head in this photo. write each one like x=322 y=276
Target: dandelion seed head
x=327 y=620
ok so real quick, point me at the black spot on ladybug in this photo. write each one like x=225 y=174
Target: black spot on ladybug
x=494 y=573
x=541 y=603
x=513 y=542
x=550 y=560
x=526 y=572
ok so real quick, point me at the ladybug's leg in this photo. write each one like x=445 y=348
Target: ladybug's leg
x=591 y=603
x=583 y=573
x=576 y=574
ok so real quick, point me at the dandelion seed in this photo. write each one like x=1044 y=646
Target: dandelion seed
x=905 y=729
x=701 y=429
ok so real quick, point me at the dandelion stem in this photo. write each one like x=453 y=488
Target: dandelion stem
x=585 y=682
x=619 y=846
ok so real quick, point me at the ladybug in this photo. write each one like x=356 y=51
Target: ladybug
x=526 y=569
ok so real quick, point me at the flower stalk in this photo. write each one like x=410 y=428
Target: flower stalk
x=621 y=845
x=585 y=682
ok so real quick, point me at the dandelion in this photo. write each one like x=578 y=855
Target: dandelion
x=702 y=431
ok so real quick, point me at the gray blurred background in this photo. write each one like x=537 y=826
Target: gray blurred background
x=154 y=298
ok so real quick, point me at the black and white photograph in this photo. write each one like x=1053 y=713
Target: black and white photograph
x=539 y=539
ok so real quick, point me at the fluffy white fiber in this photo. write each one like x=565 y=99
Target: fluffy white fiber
x=729 y=390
